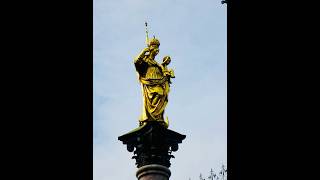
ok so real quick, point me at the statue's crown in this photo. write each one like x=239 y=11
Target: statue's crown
x=154 y=41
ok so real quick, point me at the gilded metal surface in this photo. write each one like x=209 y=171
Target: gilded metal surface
x=155 y=82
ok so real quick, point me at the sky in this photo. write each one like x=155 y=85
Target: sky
x=194 y=35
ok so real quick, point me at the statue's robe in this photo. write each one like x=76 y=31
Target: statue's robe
x=155 y=88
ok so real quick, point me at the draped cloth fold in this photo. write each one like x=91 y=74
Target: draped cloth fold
x=155 y=89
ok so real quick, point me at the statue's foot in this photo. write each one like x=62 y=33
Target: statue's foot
x=164 y=123
x=141 y=123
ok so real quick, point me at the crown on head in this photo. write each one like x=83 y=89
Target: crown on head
x=154 y=41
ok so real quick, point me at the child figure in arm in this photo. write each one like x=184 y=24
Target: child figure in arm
x=167 y=72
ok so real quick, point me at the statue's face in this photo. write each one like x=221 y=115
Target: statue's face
x=154 y=49
x=167 y=60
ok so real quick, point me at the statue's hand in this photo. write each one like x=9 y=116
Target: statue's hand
x=145 y=50
x=171 y=73
x=142 y=54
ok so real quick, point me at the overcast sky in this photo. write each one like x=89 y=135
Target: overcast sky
x=194 y=34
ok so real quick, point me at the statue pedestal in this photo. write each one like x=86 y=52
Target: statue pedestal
x=152 y=145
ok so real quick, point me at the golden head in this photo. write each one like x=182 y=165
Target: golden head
x=154 y=42
x=154 y=46
x=166 y=60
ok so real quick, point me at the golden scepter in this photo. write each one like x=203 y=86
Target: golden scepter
x=147 y=36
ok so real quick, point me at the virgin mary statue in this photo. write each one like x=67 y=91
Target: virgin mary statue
x=155 y=82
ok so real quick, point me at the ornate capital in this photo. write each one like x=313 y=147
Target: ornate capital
x=152 y=143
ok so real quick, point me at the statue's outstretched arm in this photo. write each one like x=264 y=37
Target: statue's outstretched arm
x=142 y=54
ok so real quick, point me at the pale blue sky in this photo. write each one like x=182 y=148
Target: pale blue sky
x=194 y=34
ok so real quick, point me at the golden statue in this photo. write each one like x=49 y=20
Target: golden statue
x=155 y=82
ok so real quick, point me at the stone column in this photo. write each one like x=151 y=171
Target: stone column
x=153 y=172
